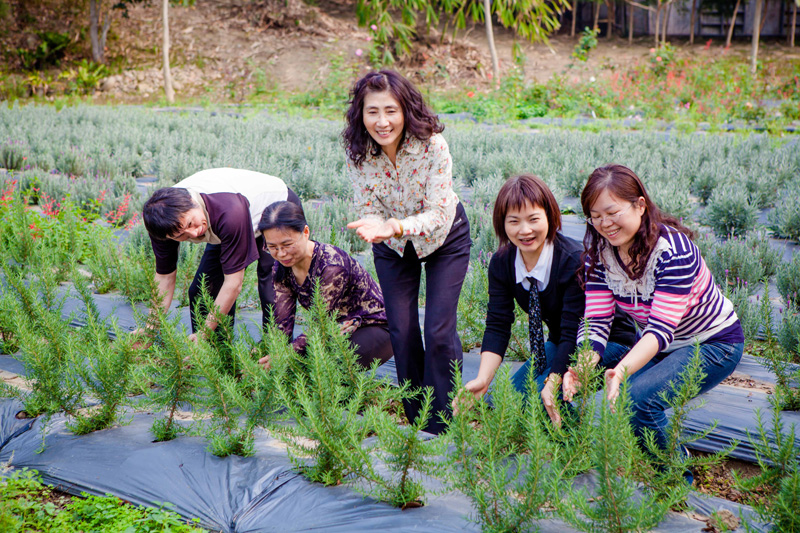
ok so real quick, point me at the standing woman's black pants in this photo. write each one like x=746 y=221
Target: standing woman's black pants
x=429 y=364
x=211 y=267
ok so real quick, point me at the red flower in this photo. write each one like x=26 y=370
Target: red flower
x=470 y=94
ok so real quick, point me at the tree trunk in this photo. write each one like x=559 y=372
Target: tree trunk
x=756 y=38
x=611 y=17
x=693 y=21
x=574 y=17
x=596 y=16
x=667 y=13
x=763 y=16
x=167 y=76
x=94 y=22
x=794 y=23
x=658 y=22
x=733 y=24
x=630 y=24
x=487 y=12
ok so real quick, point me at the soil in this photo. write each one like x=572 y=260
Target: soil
x=224 y=50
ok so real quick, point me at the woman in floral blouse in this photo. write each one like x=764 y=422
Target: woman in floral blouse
x=349 y=291
x=401 y=172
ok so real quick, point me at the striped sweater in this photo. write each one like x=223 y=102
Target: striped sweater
x=676 y=299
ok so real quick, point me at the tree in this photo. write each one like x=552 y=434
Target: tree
x=99 y=40
x=533 y=20
x=756 y=37
x=170 y=93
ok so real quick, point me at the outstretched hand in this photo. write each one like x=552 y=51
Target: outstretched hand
x=374 y=231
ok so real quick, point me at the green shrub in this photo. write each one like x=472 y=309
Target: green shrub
x=739 y=261
x=472 y=303
x=586 y=44
x=788 y=281
x=730 y=211
x=12 y=156
x=785 y=219
x=504 y=460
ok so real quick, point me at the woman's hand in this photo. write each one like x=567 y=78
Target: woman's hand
x=264 y=362
x=571 y=382
x=347 y=327
x=477 y=387
x=374 y=231
x=613 y=380
x=548 y=398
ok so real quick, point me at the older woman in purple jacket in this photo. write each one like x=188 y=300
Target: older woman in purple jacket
x=349 y=291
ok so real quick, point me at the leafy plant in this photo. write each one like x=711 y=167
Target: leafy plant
x=730 y=211
x=103 y=365
x=472 y=304
x=785 y=219
x=776 y=454
x=26 y=504
x=586 y=44
x=788 y=281
x=504 y=461
x=48 y=52
x=616 y=507
x=45 y=345
x=169 y=368
x=669 y=459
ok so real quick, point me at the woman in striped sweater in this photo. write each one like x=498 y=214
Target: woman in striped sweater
x=645 y=262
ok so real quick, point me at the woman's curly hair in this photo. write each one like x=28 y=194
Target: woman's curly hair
x=420 y=121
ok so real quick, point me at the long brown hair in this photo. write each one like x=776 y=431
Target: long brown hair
x=420 y=121
x=623 y=183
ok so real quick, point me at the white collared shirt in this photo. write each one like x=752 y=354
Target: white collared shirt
x=541 y=272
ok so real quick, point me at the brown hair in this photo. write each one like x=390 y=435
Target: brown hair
x=623 y=183
x=518 y=191
x=420 y=121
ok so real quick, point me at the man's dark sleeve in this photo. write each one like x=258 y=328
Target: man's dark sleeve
x=166 y=253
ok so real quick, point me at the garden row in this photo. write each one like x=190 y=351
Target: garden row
x=100 y=150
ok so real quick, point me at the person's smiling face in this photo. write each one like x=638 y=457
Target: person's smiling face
x=287 y=246
x=527 y=229
x=383 y=118
x=193 y=225
x=616 y=219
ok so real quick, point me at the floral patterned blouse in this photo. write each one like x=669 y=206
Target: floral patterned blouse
x=350 y=292
x=418 y=192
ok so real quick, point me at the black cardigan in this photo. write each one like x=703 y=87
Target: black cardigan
x=562 y=300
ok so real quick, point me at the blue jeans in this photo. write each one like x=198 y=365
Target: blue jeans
x=646 y=385
x=614 y=352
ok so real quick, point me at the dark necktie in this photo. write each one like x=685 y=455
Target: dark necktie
x=535 y=328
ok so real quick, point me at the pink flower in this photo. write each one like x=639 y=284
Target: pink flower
x=373 y=27
x=369 y=38
x=470 y=94
x=658 y=58
x=490 y=75
x=652 y=50
x=686 y=105
x=359 y=52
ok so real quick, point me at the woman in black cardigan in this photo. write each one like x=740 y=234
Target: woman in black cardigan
x=526 y=219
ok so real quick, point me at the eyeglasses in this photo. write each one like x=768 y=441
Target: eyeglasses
x=614 y=217
x=276 y=248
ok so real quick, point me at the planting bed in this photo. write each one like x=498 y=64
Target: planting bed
x=98 y=160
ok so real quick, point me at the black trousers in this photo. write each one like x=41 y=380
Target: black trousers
x=211 y=268
x=372 y=343
x=428 y=364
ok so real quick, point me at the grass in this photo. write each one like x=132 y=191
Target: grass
x=26 y=504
